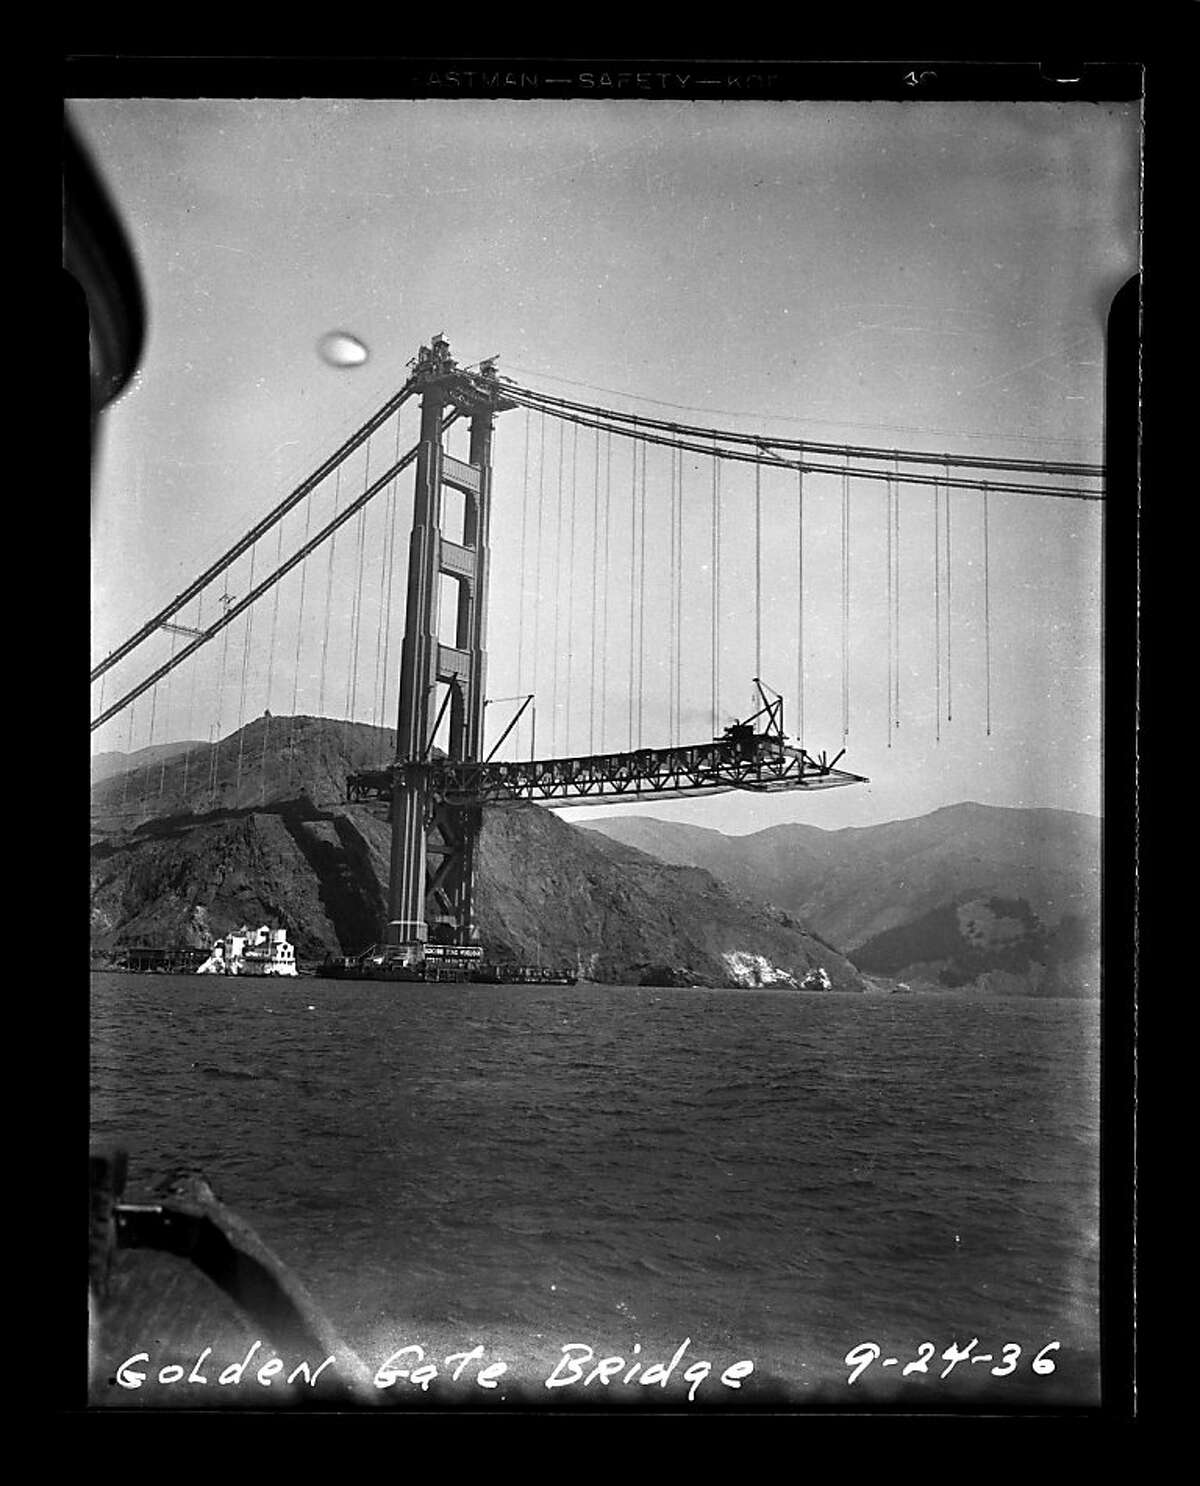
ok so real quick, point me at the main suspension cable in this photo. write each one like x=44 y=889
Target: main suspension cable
x=255 y=594
x=857 y=451
x=814 y=467
x=258 y=530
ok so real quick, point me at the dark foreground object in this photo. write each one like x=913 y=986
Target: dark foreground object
x=181 y=1290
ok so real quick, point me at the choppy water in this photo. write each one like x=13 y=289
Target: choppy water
x=776 y=1176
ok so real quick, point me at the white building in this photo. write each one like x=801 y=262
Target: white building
x=244 y=951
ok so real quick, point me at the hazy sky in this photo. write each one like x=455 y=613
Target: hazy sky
x=921 y=275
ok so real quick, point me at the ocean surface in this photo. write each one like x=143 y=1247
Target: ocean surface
x=772 y=1177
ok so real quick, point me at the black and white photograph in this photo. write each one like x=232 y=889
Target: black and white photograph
x=602 y=618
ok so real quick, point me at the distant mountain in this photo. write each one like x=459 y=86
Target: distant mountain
x=257 y=830
x=969 y=894
x=105 y=765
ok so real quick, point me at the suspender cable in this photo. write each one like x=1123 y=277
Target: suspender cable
x=259 y=530
x=299 y=643
x=949 y=612
x=150 y=738
x=357 y=611
x=379 y=626
x=937 y=612
x=187 y=752
x=571 y=586
x=679 y=610
x=799 y=607
x=641 y=698
x=595 y=564
x=337 y=495
x=162 y=769
x=716 y=591
x=671 y=562
x=127 y=772
x=262 y=765
x=215 y=756
x=604 y=595
x=393 y=501
x=537 y=569
x=891 y=638
x=246 y=643
x=524 y=556
x=758 y=569
x=987 y=617
x=558 y=567
x=845 y=604
x=632 y=587
x=896 y=592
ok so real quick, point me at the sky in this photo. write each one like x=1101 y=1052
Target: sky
x=918 y=275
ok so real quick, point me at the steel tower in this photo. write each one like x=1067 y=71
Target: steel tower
x=433 y=839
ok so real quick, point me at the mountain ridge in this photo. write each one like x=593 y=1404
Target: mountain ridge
x=856 y=885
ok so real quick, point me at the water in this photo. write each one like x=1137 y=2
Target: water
x=777 y=1177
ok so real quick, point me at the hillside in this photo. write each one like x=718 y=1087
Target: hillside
x=967 y=895
x=258 y=830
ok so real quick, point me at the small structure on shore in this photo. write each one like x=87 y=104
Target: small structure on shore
x=245 y=951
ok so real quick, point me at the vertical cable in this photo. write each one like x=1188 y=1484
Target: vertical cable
x=632 y=586
x=716 y=590
x=357 y=611
x=262 y=765
x=299 y=641
x=246 y=644
x=187 y=752
x=937 y=611
x=595 y=564
x=846 y=601
x=949 y=611
x=394 y=500
x=679 y=611
x=537 y=562
x=571 y=586
x=337 y=495
x=800 y=607
x=891 y=634
x=671 y=561
x=162 y=771
x=896 y=587
x=604 y=592
x=987 y=614
x=129 y=751
x=150 y=738
x=384 y=573
x=524 y=559
x=642 y=607
x=558 y=567
x=214 y=758
x=757 y=568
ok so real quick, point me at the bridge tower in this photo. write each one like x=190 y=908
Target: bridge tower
x=431 y=883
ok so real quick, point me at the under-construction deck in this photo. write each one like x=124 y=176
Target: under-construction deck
x=757 y=762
